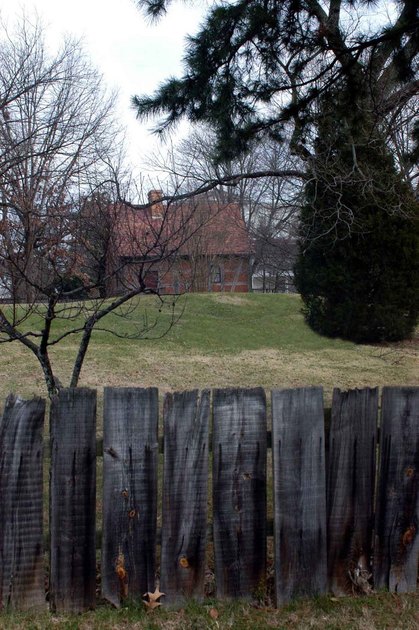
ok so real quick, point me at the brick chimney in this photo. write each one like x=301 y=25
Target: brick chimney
x=154 y=197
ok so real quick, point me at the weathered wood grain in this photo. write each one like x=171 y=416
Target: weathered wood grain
x=130 y=452
x=185 y=483
x=239 y=491
x=350 y=489
x=397 y=517
x=73 y=500
x=299 y=493
x=21 y=480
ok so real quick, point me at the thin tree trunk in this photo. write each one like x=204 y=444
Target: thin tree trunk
x=53 y=385
x=88 y=329
x=84 y=344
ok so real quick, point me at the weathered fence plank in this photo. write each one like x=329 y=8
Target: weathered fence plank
x=185 y=477
x=239 y=491
x=239 y=495
x=73 y=500
x=21 y=540
x=299 y=492
x=130 y=452
x=350 y=489
x=397 y=516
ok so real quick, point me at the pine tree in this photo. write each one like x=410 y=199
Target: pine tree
x=358 y=266
x=257 y=65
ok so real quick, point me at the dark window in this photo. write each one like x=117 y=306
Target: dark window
x=176 y=284
x=216 y=276
x=151 y=279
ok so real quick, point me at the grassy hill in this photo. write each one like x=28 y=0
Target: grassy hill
x=220 y=340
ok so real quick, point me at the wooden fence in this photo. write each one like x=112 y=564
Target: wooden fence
x=345 y=516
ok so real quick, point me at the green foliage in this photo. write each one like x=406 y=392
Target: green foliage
x=358 y=267
x=254 y=66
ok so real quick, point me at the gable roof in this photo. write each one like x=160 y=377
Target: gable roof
x=199 y=226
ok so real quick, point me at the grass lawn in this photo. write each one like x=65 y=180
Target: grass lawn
x=376 y=612
x=220 y=341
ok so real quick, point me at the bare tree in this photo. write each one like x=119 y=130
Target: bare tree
x=269 y=203
x=52 y=133
x=399 y=126
x=60 y=176
x=68 y=237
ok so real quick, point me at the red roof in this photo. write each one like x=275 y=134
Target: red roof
x=199 y=226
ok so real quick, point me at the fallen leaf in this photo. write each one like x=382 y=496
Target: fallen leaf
x=153 y=597
x=213 y=613
x=151 y=605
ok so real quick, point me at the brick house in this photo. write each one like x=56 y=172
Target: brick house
x=198 y=245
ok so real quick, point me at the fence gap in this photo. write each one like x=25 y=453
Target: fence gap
x=73 y=500
x=239 y=491
x=21 y=511
x=299 y=493
x=396 y=529
x=350 y=489
x=130 y=453
x=185 y=483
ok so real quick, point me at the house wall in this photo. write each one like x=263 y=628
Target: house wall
x=203 y=274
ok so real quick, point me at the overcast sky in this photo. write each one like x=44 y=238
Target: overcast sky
x=133 y=55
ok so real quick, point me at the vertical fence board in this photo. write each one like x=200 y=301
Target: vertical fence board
x=185 y=476
x=21 y=481
x=397 y=515
x=130 y=445
x=239 y=491
x=299 y=492
x=350 y=489
x=73 y=500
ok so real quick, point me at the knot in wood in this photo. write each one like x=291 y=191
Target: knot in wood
x=125 y=493
x=121 y=573
x=410 y=471
x=183 y=562
x=132 y=513
x=409 y=535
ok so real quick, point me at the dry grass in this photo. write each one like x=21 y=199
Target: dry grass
x=361 y=366
x=221 y=341
x=269 y=368
x=236 y=299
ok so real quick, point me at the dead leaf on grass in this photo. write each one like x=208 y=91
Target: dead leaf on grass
x=213 y=613
x=151 y=602
x=151 y=605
